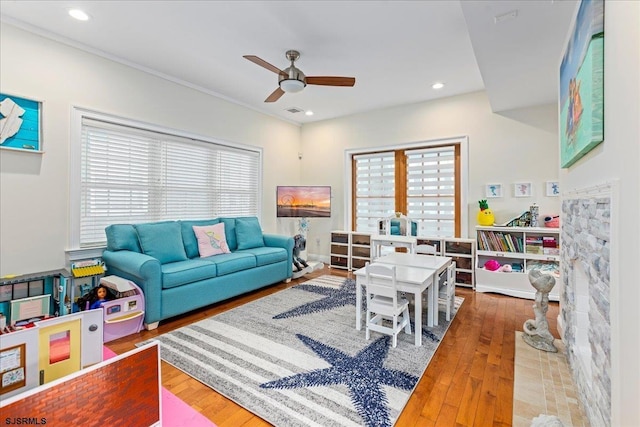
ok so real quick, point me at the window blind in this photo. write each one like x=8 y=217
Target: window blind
x=131 y=175
x=374 y=189
x=431 y=189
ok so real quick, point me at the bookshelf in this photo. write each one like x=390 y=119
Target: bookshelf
x=523 y=248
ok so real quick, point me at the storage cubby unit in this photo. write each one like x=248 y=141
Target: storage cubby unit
x=431 y=241
x=524 y=248
x=360 y=249
x=350 y=250
x=463 y=252
x=339 y=249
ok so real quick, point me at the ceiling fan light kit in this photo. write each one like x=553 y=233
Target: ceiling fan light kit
x=292 y=79
x=291 y=86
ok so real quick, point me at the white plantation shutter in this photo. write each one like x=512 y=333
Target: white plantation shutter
x=431 y=190
x=374 y=189
x=131 y=175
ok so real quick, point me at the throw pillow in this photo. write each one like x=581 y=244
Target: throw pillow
x=249 y=233
x=189 y=237
x=122 y=237
x=162 y=240
x=211 y=240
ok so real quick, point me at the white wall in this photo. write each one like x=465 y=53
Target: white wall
x=34 y=189
x=501 y=150
x=617 y=159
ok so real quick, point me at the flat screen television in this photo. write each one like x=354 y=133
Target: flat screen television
x=304 y=201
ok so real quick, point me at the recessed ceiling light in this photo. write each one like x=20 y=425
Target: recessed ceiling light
x=437 y=85
x=79 y=14
x=308 y=113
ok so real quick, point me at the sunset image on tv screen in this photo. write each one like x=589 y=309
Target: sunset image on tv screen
x=304 y=201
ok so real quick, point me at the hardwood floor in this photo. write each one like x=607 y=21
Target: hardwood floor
x=469 y=381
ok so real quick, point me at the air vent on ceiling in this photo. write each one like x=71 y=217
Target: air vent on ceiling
x=294 y=110
x=506 y=16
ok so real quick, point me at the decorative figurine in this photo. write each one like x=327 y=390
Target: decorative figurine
x=534 y=212
x=536 y=332
x=299 y=245
x=485 y=215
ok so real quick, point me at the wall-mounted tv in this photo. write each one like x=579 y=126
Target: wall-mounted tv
x=311 y=201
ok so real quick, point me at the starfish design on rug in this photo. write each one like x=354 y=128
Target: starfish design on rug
x=344 y=295
x=364 y=375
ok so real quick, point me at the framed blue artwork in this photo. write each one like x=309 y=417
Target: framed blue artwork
x=582 y=85
x=20 y=123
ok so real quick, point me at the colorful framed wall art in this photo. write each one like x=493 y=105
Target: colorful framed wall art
x=553 y=188
x=20 y=123
x=493 y=191
x=582 y=85
x=522 y=189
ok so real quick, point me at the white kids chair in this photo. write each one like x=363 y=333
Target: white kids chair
x=447 y=290
x=384 y=303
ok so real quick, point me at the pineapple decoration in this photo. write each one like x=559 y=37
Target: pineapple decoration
x=485 y=216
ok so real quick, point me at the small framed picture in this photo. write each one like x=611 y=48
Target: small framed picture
x=553 y=189
x=522 y=189
x=493 y=190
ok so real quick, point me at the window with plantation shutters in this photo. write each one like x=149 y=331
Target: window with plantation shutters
x=132 y=175
x=425 y=182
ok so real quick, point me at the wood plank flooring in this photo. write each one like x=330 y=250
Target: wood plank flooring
x=469 y=381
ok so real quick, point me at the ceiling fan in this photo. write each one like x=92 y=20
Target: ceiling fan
x=291 y=79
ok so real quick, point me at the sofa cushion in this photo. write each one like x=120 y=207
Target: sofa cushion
x=188 y=236
x=248 y=233
x=230 y=232
x=211 y=240
x=122 y=237
x=230 y=263
x=183 y=272
x=162 y=240
x=267 y=255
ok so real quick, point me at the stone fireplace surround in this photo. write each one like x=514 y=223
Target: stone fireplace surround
x=585 y=298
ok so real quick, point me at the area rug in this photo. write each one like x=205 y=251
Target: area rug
x=294 y=358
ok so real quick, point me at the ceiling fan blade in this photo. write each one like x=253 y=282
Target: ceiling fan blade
x=275 y=95
x=261 y=62
x=331 y=81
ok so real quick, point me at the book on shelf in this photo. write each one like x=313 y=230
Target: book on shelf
x=533 y=245
x=550 y=245
x=499 y=241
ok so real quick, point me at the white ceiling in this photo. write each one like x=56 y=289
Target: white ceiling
x=394 y=49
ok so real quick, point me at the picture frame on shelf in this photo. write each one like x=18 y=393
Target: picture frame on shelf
x=493 y=191
x=522 y=189
x=553 y=188
x=21 y=128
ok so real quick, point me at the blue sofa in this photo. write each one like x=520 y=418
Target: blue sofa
x=163 y=259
